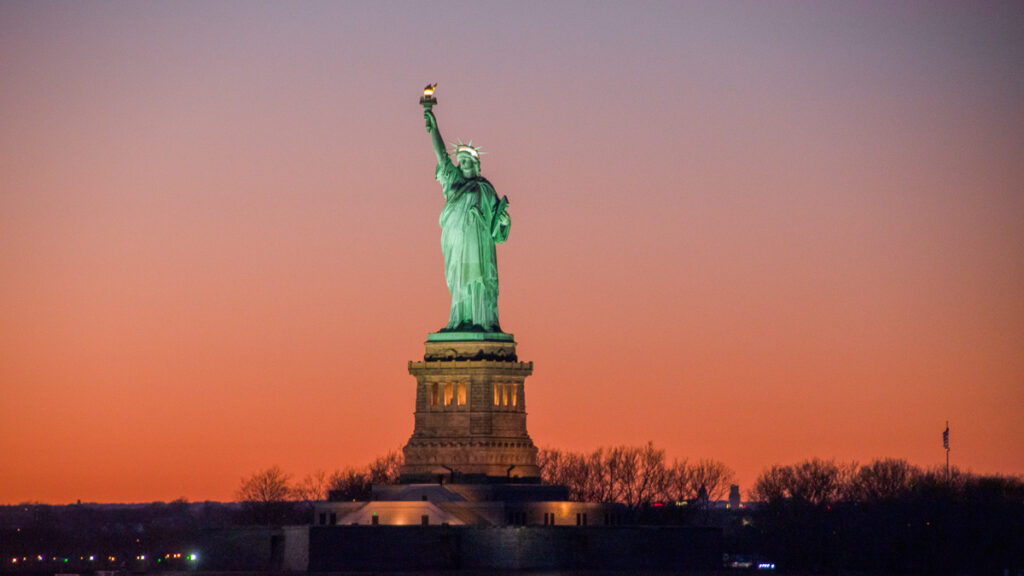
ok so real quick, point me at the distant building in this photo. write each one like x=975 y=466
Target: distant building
x=468 y=505
x=734 y=496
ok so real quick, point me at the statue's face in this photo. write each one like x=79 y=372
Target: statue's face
x=470 y=166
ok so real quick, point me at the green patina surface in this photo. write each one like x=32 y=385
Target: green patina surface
x=473 y=221
x=469 y=336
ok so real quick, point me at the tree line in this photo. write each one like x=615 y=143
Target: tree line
x=818 y=515
x=887 y=515
x=271 y=496
x=632 y=475
x=636 y=476
x=640 y=475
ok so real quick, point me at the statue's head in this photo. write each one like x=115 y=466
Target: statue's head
x=468 y=157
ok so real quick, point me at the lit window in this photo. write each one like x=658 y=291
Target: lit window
x=505 y=400
x=448 y=394
x=462 y=394
x=433 y=393
x=497 y=394
x=514 y=394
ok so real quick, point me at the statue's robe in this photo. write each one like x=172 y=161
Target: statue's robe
x=469 y=232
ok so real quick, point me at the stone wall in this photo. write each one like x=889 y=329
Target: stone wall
x=388 y=548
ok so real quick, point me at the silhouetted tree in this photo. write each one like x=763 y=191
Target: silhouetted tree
x=632 y=475
x=815 y=482
x=644 y=475
x=772 y=485
x=350 y=484
x=884 y=479
x=313 y=487
x=357 y=483
x=711 y=475
x=384 y=469
x=265 y=495
x=550 y=465
x=890 y=516
x=591 y=472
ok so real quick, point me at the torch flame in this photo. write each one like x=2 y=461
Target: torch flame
x=429 y=90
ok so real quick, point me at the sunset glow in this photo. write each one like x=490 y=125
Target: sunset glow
x=755 y=232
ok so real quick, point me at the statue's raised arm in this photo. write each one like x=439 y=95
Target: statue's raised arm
x=428 y=102
x=435 y=136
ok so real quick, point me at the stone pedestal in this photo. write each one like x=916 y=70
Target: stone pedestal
x=470 y=412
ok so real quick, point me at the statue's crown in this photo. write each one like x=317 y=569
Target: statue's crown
x=473 y=151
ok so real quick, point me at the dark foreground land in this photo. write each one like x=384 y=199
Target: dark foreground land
x=971 y=528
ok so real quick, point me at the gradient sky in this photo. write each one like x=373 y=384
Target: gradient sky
x=754 y=231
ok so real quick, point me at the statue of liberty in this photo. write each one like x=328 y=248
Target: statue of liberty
x=473 y=221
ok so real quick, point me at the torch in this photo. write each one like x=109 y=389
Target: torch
x=428 y=101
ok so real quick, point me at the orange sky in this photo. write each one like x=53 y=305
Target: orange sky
x=754 y=232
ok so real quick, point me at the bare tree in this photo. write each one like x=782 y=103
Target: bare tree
x=593 y=472
x=677 y=483
x=885 y=479
x=712 y=476
x=626 y=461
x=555 y=470
x=313 y=487
x=820 y=482
x=937 y=481
x=706 y=478
x=632 y=475
x=270 y=485
x=616 y=468
x=384 y=469
x=350 y=484
x=265 y=494
x=582 y=474
x=567 y=469
x=549 y=461
x=772 y=485
x=816 y=482
x=644 y=475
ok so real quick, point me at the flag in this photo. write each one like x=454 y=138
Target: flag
x=945 y=437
